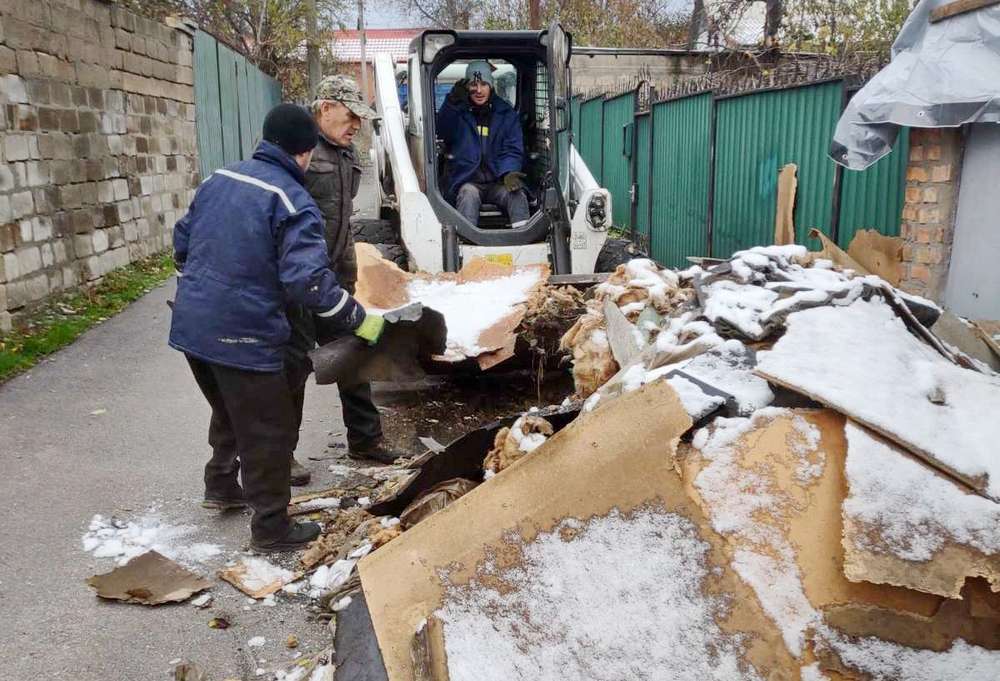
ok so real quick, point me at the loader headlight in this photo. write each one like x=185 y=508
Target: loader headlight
x=597 y=212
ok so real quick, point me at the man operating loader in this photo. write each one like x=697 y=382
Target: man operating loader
x=251 y=242
x=482 y=134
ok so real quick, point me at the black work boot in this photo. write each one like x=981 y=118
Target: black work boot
x=374 y=450
x=300 y=475
x=298 y=536
x=224 y=504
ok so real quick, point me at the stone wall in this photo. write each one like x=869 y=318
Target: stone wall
x=98 y=154
x=928 y=227
x=608 y=71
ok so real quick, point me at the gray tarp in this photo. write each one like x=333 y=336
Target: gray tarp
x=941 y=75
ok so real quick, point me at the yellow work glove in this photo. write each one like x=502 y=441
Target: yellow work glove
x=371 y=328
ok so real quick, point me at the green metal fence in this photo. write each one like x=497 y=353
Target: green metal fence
x=232 y=96
x=591 y=144
x=756 y=135
x=708 y=185
x=681 y=177
x=616 y=159
x=873 y=198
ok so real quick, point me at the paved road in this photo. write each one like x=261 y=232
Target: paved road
x=61 y=464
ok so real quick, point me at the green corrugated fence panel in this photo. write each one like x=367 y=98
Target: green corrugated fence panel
x=643 y=167
x=873 y=198
x=681 y=167
x=230 y=104
x=616 y=175
x=592 y=135
x=756 y=135
x=575 y=119
x=246 y=116
x=208 y=114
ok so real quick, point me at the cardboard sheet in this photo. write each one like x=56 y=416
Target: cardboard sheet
x=862 y=361
x=784 y=217
x=148 y=579
x=947 y=536
x=598 y=463
x=804 y=486
x=835 y=253
x=879 y=254
x=384 y=286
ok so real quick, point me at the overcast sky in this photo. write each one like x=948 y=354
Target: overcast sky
x=390 y=14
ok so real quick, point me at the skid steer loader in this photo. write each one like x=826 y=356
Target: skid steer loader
x=418 y=227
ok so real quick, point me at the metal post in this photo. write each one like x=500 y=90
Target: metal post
x=364 y=55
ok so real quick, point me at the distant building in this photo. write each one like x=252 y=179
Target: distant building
x=346 y=49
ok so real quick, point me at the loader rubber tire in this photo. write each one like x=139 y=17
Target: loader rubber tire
x=394 y=253
x=373 y=231
x=617 y=252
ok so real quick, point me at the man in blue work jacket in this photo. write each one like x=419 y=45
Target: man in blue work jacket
x=482 y=134
x=251 y=243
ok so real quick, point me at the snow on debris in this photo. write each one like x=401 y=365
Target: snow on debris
x=862 y=361
x=260 y=573
x=912 y=510
x=330 y=577
x=885 y=661
x=318 y=504
x=470 y=308
x=123 y=540
x=729 y=368
x=622 y=599
x=697 y=403
x=733 y=496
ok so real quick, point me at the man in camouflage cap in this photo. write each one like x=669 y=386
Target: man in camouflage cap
x=333 y=179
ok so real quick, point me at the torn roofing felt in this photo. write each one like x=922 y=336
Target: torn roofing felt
x=942 y=75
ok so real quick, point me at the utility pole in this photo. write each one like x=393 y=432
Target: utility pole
x=312 y=48
x=364 y=53
x=534 y=15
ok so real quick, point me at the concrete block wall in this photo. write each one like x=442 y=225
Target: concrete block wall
x=98 y=153
x=928 y=227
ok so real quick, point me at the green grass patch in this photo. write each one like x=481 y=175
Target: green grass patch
x=62 y=319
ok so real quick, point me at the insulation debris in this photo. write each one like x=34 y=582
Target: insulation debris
x=434 y=500
x=257 y=577
x=526 y=435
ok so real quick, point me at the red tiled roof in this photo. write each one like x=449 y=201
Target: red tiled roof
x=346 y=45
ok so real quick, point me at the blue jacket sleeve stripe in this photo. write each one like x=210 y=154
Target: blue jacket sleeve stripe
x=336 y=308
x=289 y=206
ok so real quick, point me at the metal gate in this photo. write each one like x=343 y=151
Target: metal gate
x=681 y=178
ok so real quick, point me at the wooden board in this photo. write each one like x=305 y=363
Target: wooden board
x=953 y=9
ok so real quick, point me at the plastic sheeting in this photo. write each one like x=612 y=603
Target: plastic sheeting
x=941 y=75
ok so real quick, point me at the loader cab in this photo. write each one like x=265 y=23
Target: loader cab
x=531 y=74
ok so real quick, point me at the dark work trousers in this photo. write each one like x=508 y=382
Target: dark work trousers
x=253 y=428
x=473 y=195
x=361 y=418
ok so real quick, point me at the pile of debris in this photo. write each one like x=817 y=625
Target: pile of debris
x=779 y=471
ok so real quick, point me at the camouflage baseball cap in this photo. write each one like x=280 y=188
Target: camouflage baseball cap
x=345 y=90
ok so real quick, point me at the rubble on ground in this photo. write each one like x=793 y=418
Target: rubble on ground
x=806 y=468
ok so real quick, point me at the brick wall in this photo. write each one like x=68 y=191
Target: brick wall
x=98 y=154
x=928 y=229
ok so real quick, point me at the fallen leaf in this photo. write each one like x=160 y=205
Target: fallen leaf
x=292 y=641
x=218 y=623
